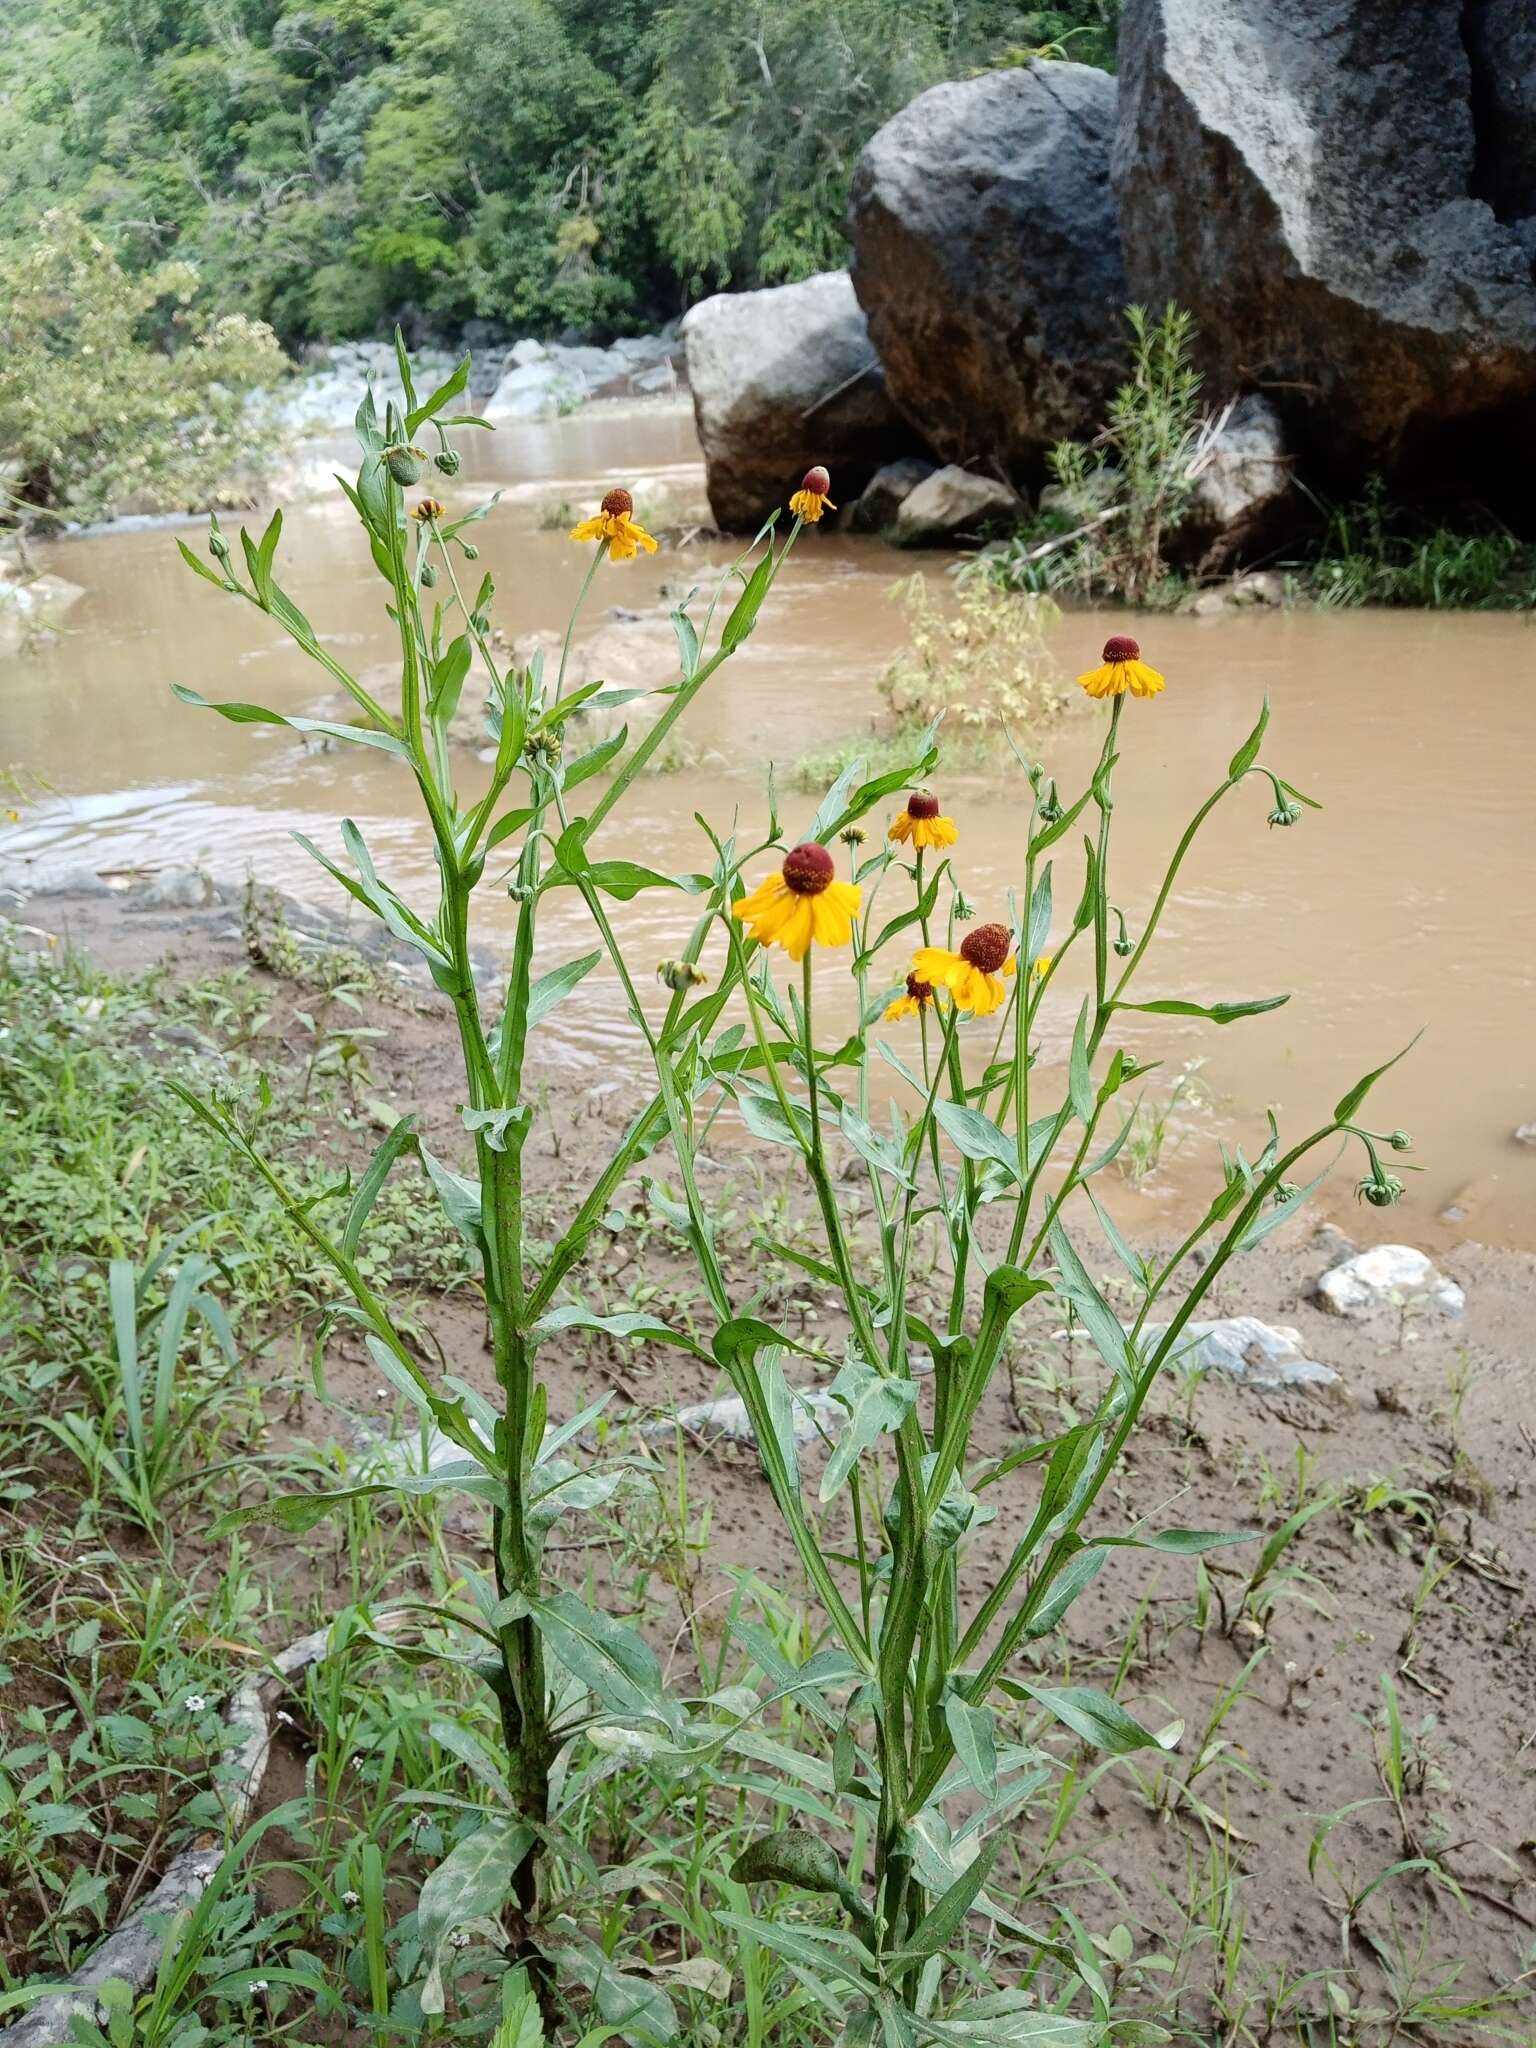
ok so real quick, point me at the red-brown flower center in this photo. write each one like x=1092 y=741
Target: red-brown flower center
x=919 y=991
x=618 y=503
x=985 y=948
x=808 y=869
x=816 y=480
x=921 y=805
x=1121 y=647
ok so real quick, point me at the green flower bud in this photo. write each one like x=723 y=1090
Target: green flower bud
x=1049 y=806
x=218 y=546
x=404 y=464
x=520 y=892
x=1285 y=1191
x=965 y=909
x=471 y=552
x=544 y=747
x=428 y=575
x=1122 y=940
x=1381 y=1190
x=853 y=835
x=447 y=460
x=680 y=975
x=1400 y=1142
x=1284 y=814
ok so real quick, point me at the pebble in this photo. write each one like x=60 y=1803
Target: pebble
x=1387 y=1276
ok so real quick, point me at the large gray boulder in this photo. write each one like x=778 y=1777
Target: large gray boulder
x=987 y=260
x=1308 y=179
x=783 y=379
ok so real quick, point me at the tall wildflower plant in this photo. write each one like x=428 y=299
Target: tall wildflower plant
x=916 y=1660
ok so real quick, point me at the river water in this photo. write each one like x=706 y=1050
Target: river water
x=1405 y=905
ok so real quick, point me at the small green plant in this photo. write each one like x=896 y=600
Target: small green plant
x=1373 y=552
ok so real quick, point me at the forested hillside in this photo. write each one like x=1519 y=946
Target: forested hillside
x=330 y=165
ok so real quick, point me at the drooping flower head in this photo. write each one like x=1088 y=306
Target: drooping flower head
x=802 y=903
x=918 y=998
x=1123 y=669
x=425 y=509
x=920 y=822
x=974 y=976
x=811 y=500
x=615 y=523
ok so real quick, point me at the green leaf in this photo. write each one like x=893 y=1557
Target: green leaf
x=1179 y=1542
x=1095 y=1313
x=1248 y=752
x=553 y=988
x=459 y=1196
x=1345 y=1108
x=1040 y=913
x=257 y=714
x=400 y=1139
x=204 y=569
x=451 y=386
x=876 y=1406
x=746 y=608
x=609 y=1658
x=628 y=1323
x=626 y=878
x=833 y=804
x=977 y=1136
x=764 y=1117
x=447 y=681
x=945 y=1918
x=473 y=1882
x=687 y=642
x=297 y=1512
x=496 y=1124
x=1095 y=1717
x=1218 y=1013
x=1074 y=1577
x=972 y=1732
x=1079 y=1075
x=594 y=761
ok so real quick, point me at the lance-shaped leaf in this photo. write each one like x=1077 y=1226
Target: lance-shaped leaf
x=610 y=1659
x=633 y=1323
x=1096 y=1718
x=1348 y=1105
x=472 y=1882
x=258 y=714
x=297 y=1512
x=1217 y=1013
x=876 y=1405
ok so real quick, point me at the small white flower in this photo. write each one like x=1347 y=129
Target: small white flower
x=381 y=1393
x=258 y=1984
x=351 y=1898
x=195 y=1703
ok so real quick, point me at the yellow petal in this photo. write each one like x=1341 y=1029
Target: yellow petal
x=901 y=827
x=589 y=529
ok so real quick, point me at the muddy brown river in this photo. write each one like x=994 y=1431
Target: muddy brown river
x=1407 y=903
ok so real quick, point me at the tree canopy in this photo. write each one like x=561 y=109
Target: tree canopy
x=331 y=165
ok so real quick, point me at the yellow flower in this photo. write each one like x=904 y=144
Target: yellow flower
x=802 y=903
x=616 y=525
x=811 y=500
x=918 y=996
x=427 y=508
x=974 y=975
x=1123 y=670
x=1042 y=966
x=920 y=822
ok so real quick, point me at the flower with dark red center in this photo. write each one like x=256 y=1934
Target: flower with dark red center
x=426 y=509
x=916 y=1000
x=615 y=523
x=1123 y=669
x=974 y=976
x=803 y=903
x=919 y=821
x=811 y=500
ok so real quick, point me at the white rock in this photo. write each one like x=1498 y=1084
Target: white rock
x=1525 y=1134
x=1387 y=1276
x=1259 y=1354
x=175 y=889
x=814 y=1414
x=954 y=500
x=534 y=388
x=526 y=351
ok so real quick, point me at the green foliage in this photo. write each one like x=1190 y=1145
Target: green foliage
x=116 y=392
x=1372 y=552
x=331 y=164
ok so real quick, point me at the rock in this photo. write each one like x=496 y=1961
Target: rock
x=1525 y=1134
x=174 y=889
x=1305 y=177
x=660 y=377
x=953 y=501
x=542 y=386
x=1262 y=1355
x=1208 y=604
x=783 y=379
x=1259 y=586
x=526 y=351
x=987 y=260
x=1243 y=486
x=31 y=605
x=813 y=1414
x=1387 y=1276
x=886 y=492
x=1501 y=44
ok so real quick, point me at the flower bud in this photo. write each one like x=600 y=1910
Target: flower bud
x=405 y=464
x=965 y=909
x=426 y=509
x=1285 y=1191
x=1122 y=941
x=520 y=892
x=1049 y=804
x=447 y=460
x=1400 y=1141
x=218 y=546
x=853 y=835
x=680 y=975
x=1381 y=1190
x=545 y=747
x=471 y=552
x=1284 y=814
x=428 y=575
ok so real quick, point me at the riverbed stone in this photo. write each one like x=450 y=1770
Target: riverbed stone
x=987 y=259
x=783 y=379
x=1387 y=1276
x=1244 y=483
x=813 y=1415
x=954 y=501
x=1382 y=301
x=1242 y=1348
x=887 y=490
